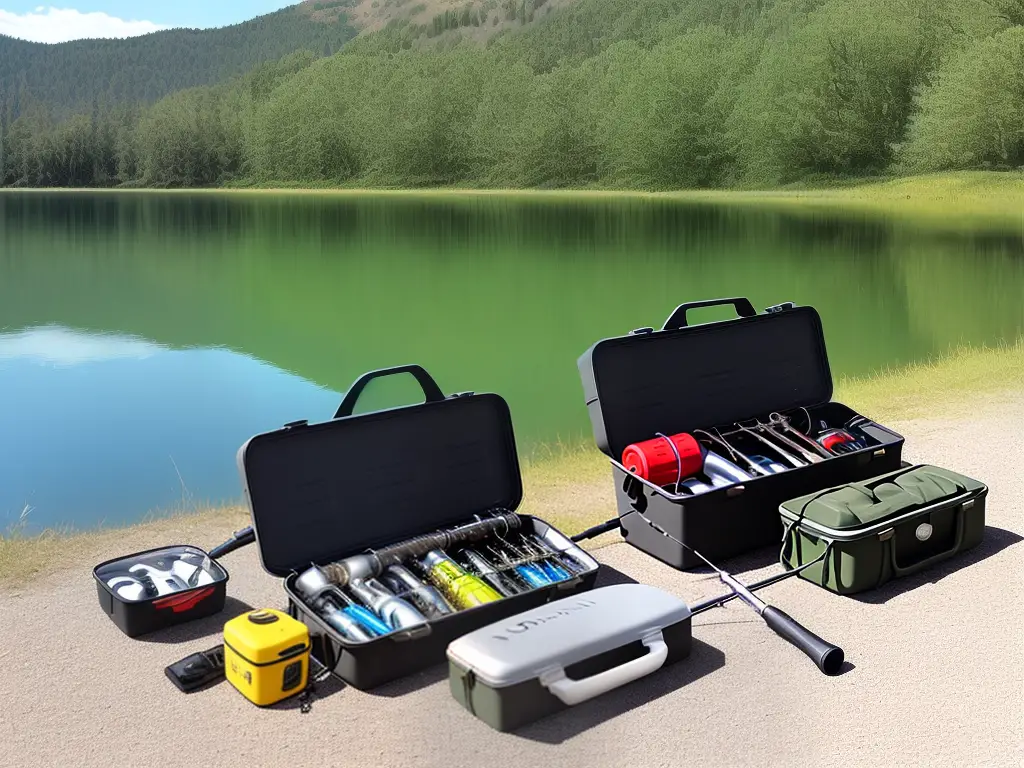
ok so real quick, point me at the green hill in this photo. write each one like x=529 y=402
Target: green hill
x=652 y=94
x=71 y=76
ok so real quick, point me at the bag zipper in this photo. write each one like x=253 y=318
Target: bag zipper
x=847 y=535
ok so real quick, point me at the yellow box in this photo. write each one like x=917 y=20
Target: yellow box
x=266 y=655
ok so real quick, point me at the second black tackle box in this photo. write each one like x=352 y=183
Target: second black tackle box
x=696 y=411
x=358 y=488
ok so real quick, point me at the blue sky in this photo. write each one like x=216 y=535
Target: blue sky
x=72 y=19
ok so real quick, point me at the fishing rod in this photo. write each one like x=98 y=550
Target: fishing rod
x=827 y=657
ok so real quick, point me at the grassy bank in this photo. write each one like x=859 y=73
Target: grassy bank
x=966 y=200
x=568 y=485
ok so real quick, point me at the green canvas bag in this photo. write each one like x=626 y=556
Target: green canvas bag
x=887 y=527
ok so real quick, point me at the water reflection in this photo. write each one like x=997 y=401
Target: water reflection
x=147 y=335
x=104 y=428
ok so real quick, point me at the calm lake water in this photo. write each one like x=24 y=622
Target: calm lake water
x=144 y=338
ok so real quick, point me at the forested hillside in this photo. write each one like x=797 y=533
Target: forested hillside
x=77 y=74
x=655 y=94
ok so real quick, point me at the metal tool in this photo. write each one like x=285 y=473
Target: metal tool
x=572 y=557
x=486 y=571
x=827 y=657
x=530 y=575
x=812 y=457
x=426 y=598
x=544 y=560
x=373 y=563
x=777 y=419
x=784 y=454
x=735 y=453
x=396 y=612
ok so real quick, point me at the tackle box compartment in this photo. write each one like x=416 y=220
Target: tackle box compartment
x=888 y=527
x=686 y=377
x=318 y=493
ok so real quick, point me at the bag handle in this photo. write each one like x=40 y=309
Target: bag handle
x=678 y=318
x=572 y=692
x=430 y=389
x=928 y=561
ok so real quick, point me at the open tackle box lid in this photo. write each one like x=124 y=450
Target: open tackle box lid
x=685 y=377
x=321 y=492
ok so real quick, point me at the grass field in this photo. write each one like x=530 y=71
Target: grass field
x=570 y=485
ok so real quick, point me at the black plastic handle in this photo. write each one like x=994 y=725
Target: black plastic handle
x=678 y=318
x=828 y=658
x=240 y=539
x=429 y=386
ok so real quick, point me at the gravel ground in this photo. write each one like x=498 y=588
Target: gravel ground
x=934 y=672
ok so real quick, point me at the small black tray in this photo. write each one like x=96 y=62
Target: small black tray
x=152 y=612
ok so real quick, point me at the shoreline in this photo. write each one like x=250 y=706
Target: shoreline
x=569 y=486
x=956 y=200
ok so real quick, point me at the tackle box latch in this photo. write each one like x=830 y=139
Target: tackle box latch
x=780 y=307
x=641 y=331
x=887 y=534
x=299 y=423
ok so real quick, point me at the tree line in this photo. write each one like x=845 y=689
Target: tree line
x=70 y=77
x=659 y=95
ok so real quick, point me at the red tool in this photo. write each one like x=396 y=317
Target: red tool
x=656 y=460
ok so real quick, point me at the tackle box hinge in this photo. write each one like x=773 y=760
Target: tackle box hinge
x=295 y=424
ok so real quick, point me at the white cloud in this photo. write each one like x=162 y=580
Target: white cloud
x=56 y=345
x=58 y=25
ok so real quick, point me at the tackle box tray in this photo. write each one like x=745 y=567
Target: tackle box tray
x=318 y=493
x=712 y=376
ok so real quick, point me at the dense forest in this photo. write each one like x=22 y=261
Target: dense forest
x=74 y=76
x=618 y=93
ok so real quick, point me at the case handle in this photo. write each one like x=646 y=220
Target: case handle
x=929 y=561
x=429 y=386
x=678 y=318
x=572 y=692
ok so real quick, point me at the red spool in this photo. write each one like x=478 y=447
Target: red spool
x=836 y=437
x=655 y=461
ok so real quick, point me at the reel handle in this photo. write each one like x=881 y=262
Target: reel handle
x=827 y=657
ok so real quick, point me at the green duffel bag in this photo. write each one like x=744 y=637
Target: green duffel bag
x=864 y=534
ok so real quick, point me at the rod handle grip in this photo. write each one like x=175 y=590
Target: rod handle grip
x=827 y=657
x=240 y=539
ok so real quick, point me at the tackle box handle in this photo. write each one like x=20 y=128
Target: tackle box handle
x=929 y=561
x=572 y=692
x=430 y=388
x=678 y=318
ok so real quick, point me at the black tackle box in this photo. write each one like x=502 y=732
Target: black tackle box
x=711 y=376
x=318 y=493
x=159 y=588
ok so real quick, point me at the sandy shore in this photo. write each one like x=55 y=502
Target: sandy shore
x=935 y=674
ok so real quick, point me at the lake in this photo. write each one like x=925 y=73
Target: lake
x=145 y=337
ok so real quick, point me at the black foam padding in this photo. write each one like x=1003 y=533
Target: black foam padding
x=704 y=375
x=320 y=492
